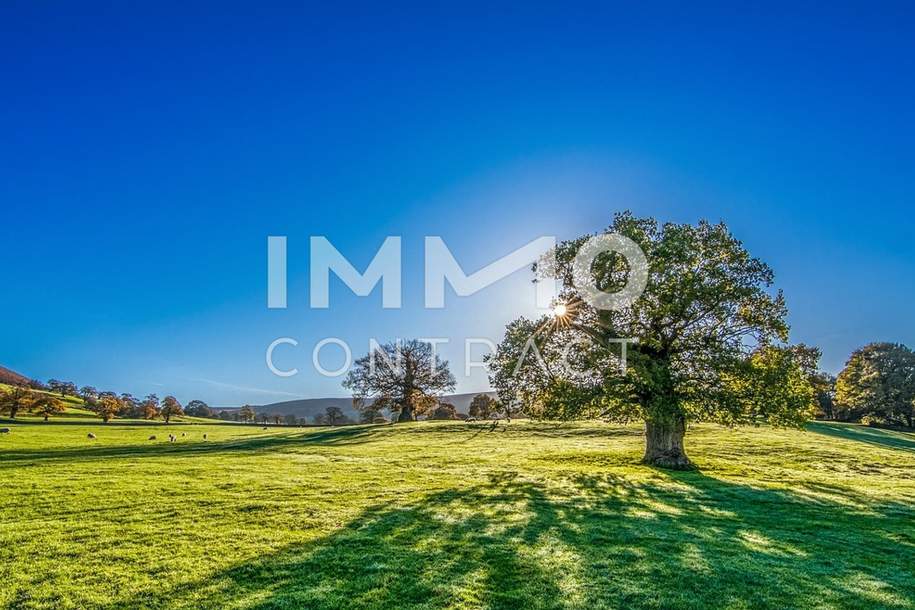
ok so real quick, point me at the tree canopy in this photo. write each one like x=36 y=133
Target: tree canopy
x=704 y=341
x=878 y=384
x=403 y=377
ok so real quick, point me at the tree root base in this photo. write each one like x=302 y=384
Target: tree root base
x=669 y=462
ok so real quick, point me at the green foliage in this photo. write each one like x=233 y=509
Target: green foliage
x=454 y=515
x=198 y=408
x=878 y=382
x=703 y=328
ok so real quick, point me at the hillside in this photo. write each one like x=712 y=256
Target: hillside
x=310 y=407
x=10 y=377
x=454 y=515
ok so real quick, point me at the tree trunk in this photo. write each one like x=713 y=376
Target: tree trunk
x=406 y=413
x=664 y=443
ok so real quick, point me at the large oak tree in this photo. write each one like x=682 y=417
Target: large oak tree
x=710 y=340
x=404 y=377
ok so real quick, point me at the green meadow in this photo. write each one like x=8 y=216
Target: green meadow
x=453 y=515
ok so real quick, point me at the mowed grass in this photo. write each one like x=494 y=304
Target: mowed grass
x=454 y=515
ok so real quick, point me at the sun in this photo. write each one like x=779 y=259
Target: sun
x=560 y=310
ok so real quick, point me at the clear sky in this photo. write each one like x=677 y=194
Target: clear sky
x=147 y=153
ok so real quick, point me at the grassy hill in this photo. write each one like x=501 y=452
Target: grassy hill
x=75 y=410
x=454 y=515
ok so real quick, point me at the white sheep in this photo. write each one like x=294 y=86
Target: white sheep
x=172 y=438
x=90 y=436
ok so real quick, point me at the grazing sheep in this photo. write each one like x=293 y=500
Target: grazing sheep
x=4 y=430
x=470 y=420
x=153 y=437
x=172 y=438
x=204 y=437
x=183 y=434
x=90 y=436
x=264 y=428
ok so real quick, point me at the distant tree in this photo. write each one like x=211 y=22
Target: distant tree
x=320 y=419
x=823 y=384
x=108 y=406
x=703 y=325
x=170 y=408
x=198 y=408
x=290 y=419
x=277 y=418
x=64 y=388
x=444 y=410
x=35 y=384
x=370 y=415
x=878 y=383
x=404 y=377
x=88 y=393
x=265 y=417
x=246 y=414
x=483 y=406
x=46 y=405
x=335 y=416
x=15 y=399
x=131 y=405
x=149 y=407
x=824 y=387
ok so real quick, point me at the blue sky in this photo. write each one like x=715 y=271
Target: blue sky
x=148 y=152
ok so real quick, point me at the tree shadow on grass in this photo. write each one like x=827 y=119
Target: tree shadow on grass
x=347 y=435
x=873 y=436
x=677 y=540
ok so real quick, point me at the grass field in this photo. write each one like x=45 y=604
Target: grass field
x=454 y=515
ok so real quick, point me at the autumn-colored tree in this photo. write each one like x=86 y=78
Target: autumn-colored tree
x=46 y=405
x=170 y=408
x=15 y=399
x=149 y=407
x=108 y=406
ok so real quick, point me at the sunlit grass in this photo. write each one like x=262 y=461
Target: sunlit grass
x=453 y=515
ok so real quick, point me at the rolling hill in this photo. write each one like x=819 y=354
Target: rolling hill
x=10 y=377
x=310 y=407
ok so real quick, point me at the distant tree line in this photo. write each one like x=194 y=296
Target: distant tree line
x=42 y=399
